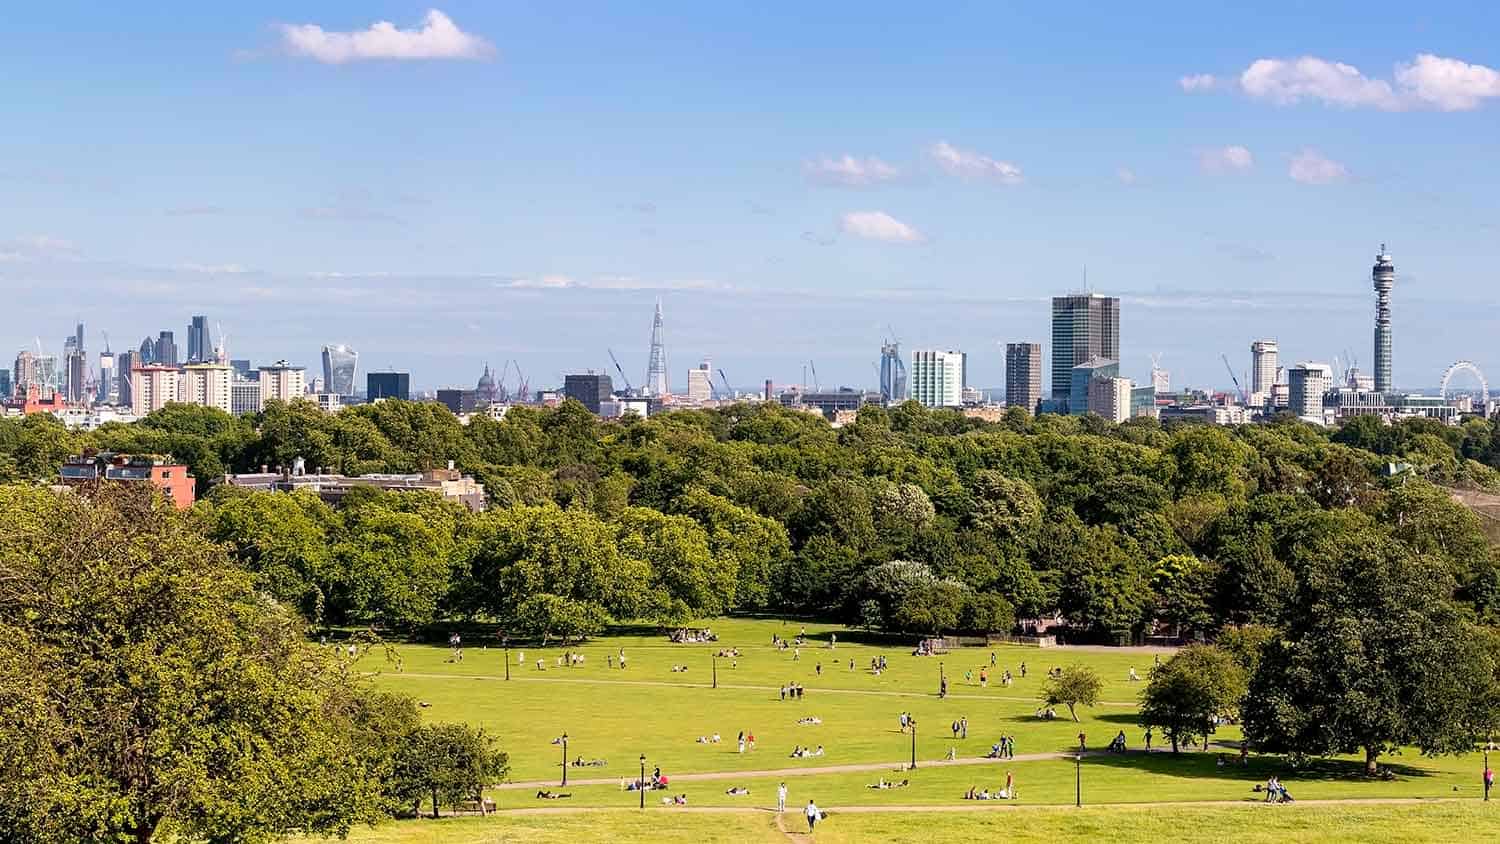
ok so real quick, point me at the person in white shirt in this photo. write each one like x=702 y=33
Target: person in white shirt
x=812 y=815
x=781 y=798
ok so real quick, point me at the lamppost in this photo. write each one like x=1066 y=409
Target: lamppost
x=913 y=724
x=565 y=758
x=942 y=678
x=1078 y=780
x=506 y=644
x=716 y=671
x=640 y=784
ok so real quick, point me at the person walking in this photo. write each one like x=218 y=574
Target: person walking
x=781 y=798
x=1148 y=739
x=1489 y=780
x=1082 y=743
x=963 y=726
x=812 y=816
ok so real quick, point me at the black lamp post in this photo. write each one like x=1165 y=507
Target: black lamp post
x=1078 y=780
x=913 y=723
x=565 y=758
x=942 y=678
x=506 y=644
x=716 y=671
x=641 y=783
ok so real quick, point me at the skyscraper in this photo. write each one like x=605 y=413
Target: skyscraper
x=75 y=366
x=25 y=372
x=340 y=364
x=1306 y=384
x=165 y=350
x=6 y=388
x=656 y=367
x=892 y=373
x=147 y=353
x=1023 y=375
x=124 y=394
x=280 y=381
x=937 y=377
x=700 y=383
x=1085 y=326
x=199 y=349
x=108 y=390
x=1263 y=366
x=1384 y=276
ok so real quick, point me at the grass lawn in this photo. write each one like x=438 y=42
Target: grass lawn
x=649 y=709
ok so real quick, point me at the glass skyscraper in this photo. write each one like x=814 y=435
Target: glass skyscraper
x=1085 y=327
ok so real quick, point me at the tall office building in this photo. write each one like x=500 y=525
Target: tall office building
x=199 y=347
x=108 y=391
x=1306 y=384
x=892 y=373
x=46 y=375
x=25 y=372
x=126 y=362
x=388 y=385
x=153 y=387
x=657 y=383
x=1023 y=375
x=147 y=352
x=340 y=365
x=1264 y=355
x=590 y=388
x=937 y=377
x=164 y=350
x=1083 y=376
x=1384 y=276
x=6 y=388
x=282 y=381
x=700 y=383
x=1085 y=327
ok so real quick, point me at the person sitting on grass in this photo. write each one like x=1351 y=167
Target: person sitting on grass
x=971 y=794
x=952 y=754
x=819 y=751
x=809 y=721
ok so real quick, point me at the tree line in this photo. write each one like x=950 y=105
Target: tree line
x=907 y=519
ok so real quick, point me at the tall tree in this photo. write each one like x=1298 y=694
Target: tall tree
x=1189 y=691
x=1074 y=686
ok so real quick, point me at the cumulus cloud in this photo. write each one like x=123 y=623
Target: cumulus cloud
x=972 y=165
x=1223 y=159
x=1196 y=82
x=1426 y=82
x=878 y=225
x=850 y=172
x=438 y=37
x=1310 y=167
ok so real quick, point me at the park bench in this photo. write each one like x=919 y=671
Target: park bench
x=482 y=807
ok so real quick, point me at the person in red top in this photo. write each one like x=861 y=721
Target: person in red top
x=1489 y=780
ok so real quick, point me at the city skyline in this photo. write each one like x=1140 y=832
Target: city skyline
x=443 y=211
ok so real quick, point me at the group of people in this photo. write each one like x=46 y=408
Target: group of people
x=907 y=722
x=729 y=653
x=792 y=690
x=580 y=762
x=882 y=784
x=687 y=636
x=800 y=752
x=961 y=727
x=456 y=642
x=658 y=781
x=1275 y=791
x=1005 y=748
x=877 y=665
x=1117 y=744
x=809 y=721
x=1006 y=793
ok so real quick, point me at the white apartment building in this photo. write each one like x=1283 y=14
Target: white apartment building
x=937 y=377
x=1110 y=398
x=208 y=384
x=152 y=388
x=282 y=381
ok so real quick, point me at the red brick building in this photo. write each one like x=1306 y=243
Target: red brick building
x=169 y=477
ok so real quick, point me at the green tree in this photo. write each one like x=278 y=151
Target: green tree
x=1075 y=686
x=448 y=764
x=1007 y=507
x=150 y=692
x=1189 y=691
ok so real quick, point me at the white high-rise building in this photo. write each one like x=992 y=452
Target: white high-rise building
x=152 y=388
x=282 y=381
x=1306 y=384
x=1110 y=398
x=244 y=397
x=937 y=377
x=207 y=384
x=1264 y=362
x=701 y=383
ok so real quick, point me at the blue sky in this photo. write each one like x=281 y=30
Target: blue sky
x=522 y=181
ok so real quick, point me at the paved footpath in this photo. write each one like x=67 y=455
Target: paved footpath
x=825 y=769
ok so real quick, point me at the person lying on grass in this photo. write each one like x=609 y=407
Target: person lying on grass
x=552 y=795
x=738 y=791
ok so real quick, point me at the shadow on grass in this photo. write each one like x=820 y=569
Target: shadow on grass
x=1200 y=765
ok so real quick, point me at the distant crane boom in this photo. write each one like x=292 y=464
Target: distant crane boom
x=621 y=370
x=814 y=368
x=1235 y=378
x=725 y=380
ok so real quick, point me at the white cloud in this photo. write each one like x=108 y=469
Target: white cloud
x=848 y=171
x=437 y=38
x=1310 y=167
x=1125 y=175
x=215 y=269
x=1426 y=82
x=878 y=225
x=1448 y=84
x=972 y=165
x=1221 y=159
x=546 y=282
x=1196 y=82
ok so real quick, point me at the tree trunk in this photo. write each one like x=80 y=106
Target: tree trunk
x=1371 y=754
x=434 y=803
x=1174 y=742
x=1073 y=713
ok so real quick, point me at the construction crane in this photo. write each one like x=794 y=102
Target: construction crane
x=725 y=380
x=524 y=389
x=621 y=370
x=814 y=368
x=1235 y=378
